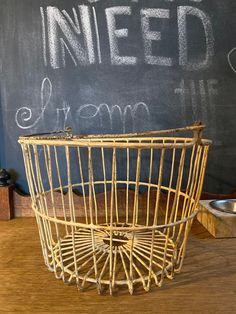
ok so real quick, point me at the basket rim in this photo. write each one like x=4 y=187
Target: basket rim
x=126 y=140
x=116 y=143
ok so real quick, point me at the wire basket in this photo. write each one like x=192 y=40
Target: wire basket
x=125 y=203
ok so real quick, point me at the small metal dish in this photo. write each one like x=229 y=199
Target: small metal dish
x=227 y=206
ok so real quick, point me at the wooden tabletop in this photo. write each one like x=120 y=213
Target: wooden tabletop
x=207 y=283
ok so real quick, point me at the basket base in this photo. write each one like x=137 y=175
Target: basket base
x=117 y=261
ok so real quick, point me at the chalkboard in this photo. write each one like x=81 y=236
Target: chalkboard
x=103 y=66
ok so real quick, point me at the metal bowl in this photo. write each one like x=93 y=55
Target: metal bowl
x=227 y=206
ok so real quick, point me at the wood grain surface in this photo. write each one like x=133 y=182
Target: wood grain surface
x=207 y=283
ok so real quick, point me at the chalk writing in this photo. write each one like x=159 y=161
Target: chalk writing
x=149 y=35
x=77 y=34
x=24 y=114
x=127 y=115
x=232 y=63
x=114 y=34
x=183 y=12
x=200 y=97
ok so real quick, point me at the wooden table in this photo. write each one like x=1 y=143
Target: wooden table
x=207 y=283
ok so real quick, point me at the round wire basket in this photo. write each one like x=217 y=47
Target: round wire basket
x=115 y=209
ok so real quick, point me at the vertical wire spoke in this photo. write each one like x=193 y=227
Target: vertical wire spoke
x=91 y=182
x=149 y=185
x=114 y=268
x=192 y=185
x=131 y=262
x=190 y=174
x=170 y=184
x=72 y=210
x=50 y=179
x=29 y=175
x=92 y=268
x=60 y=187
x=158 y=194
x=125 y=268
x=178 y=188
x=130 y=258
x=127 y=186
x=186 y=196
x=164 y=257
x=82 y=185
x=92 y=191
x=116 y=200
x=150 y=271
x=199 y=183
x=111 y=218
x=136 y=193
x=105 y=183
x=90 y=186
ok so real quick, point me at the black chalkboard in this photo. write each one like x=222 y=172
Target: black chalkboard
x=119 y=66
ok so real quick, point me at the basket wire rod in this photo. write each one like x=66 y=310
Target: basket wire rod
x=60 y=187
x=82 y=184
x=165 y=256
x=150 y=271
x=88 y=260
x=83 y=247
x=180 y=257
x=130 y=258
x=85 y=252
x=47 y=225
x=131 y=262
x=93 y=268
x=48 y=234
x=102 y=272
x=114 y=268
x=137 y=253
x=90 y=186
x=49 y=174
x=125 y=269
x=136 y=193
x=41 y=199
x=201 y=177
x=115 y=189
x=70 y=192
x=199 y=182
x=158 y=244
x=91 y=191
x=127 y=184
x=72 y=211
x=193 y=181
x=188 y=182
x=146 y=249
x=105 y=184
x=194 y=127
x=44 y=226
x=175 y=206
x=187 y=194
x=190 y=206
x=196 y=182
x=111 y=217
x=149 y=186
x=25 y=149
x=158 y=193
x=170 y=184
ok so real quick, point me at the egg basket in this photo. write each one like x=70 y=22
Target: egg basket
x=115 y=209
